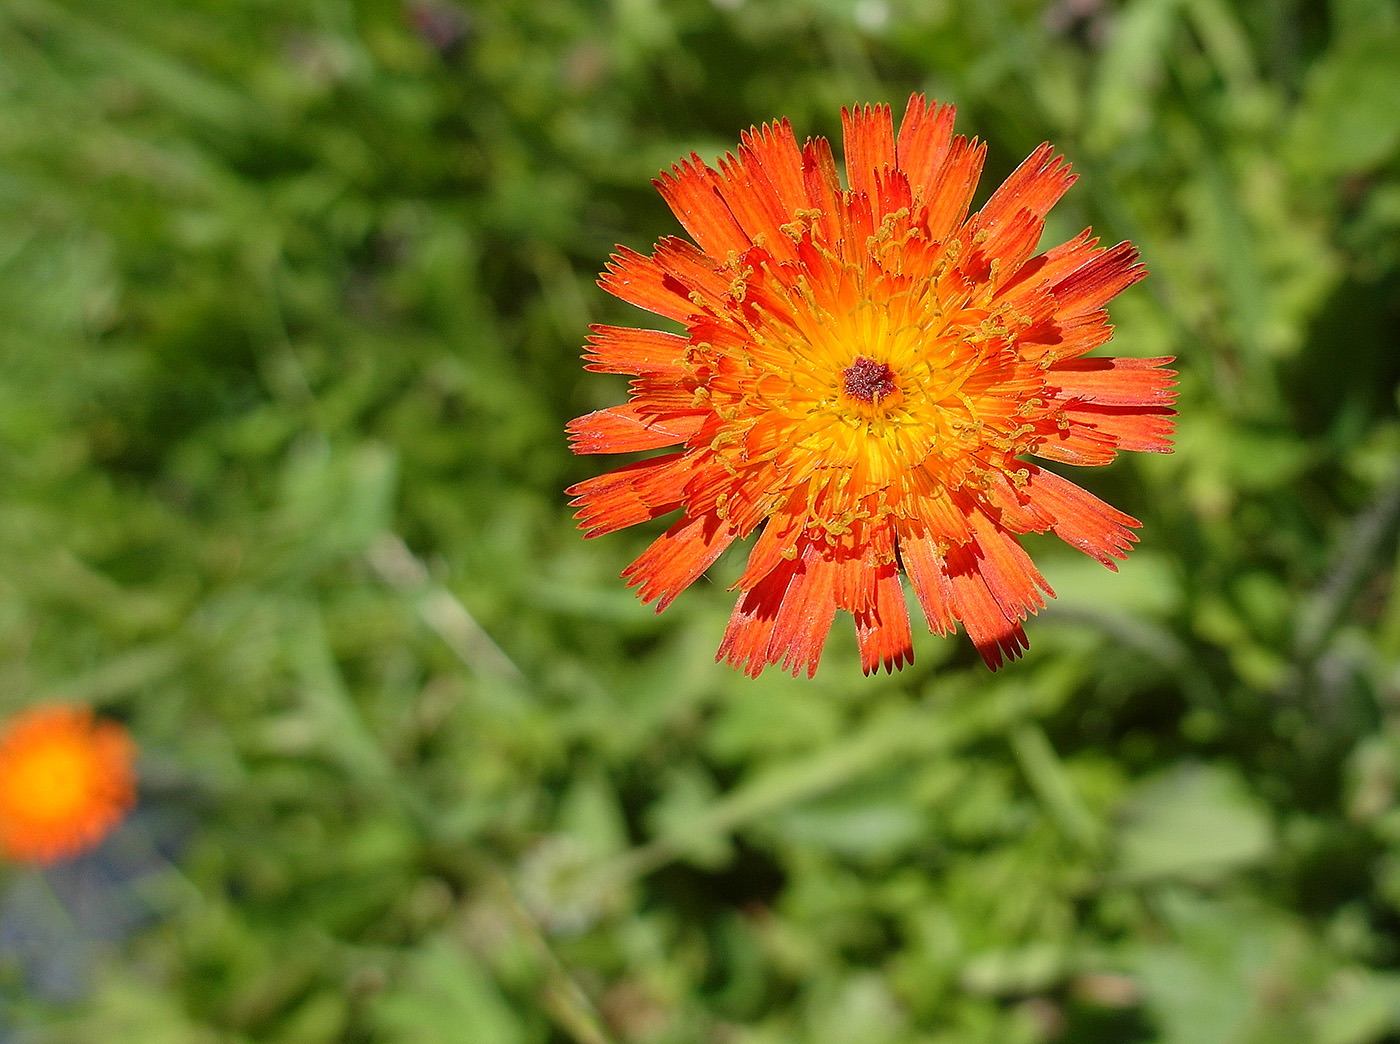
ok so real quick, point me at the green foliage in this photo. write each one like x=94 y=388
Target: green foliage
x=291 y=298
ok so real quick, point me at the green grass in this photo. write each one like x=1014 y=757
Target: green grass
x=291 y=303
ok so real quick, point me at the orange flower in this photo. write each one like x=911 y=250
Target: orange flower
x=861 y=374
x=65 y=782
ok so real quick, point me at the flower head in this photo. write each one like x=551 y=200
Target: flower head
x=862 y=373
x=65 y=781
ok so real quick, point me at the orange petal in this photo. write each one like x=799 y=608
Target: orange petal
x=746 y=639
x=892 y=193
x=677 y=281
x=1146 y=429
x=928 y=575
x=995 y=636
x=745 y=498
x=860 y=556
x=925 y=134
x=639 y=280
x=868 y=136
x=1064 y=337
x=805 y=615
x=755 y=204
x=692 y=191
x=620 y=429
x=823 y=188
x=883 y=629
x=948 y=197
x=1083 y=445
x=677 y=558
x=855 y=587
x=668 y=396
x=1013 y=510
x=1011 y=576
x=630 y=494
x=1098 y=280
x=1036 y=185
x=622 y=349
x=858 y=227
x=936 y=508
x=1008 y=243
x=1114 y=382
x=1081 y=519
x=694 y=270
x=780 y=534
x=1054 y=264
x=773 y=150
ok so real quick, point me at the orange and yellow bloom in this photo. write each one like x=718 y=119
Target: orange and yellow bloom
x=65 y=781
x=861 y=375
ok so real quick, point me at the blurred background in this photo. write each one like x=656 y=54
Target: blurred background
x=292 y=296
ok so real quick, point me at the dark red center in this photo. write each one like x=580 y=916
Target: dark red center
x=868 y=380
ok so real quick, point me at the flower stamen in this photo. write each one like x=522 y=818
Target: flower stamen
x=868 y=380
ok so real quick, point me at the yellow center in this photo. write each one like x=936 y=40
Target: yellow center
x=51 y=782
x=854 y=394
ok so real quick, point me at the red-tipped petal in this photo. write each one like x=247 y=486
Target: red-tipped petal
x=823 y=188
x=996 y=636
x=805 y=615
x=622 y=349
x=1099 y=279
x=928 y=575
x=756 y=205
x=773 y=150
x=692 y=190
x=620 y=429
x=925 y=136
x=1081 y=519
x=677 y=558
x=630 y=494
x=868 y=135
x=949 y=196
x=746 y=640
x=1115 y=382
x=1036 y=185
x=883 y=629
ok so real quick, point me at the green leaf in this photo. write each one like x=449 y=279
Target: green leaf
x=444 y=994
x=1349 y=120
x=1196 y=823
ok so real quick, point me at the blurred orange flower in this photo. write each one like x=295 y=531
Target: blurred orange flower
x=65 y=781
x=862 y=373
